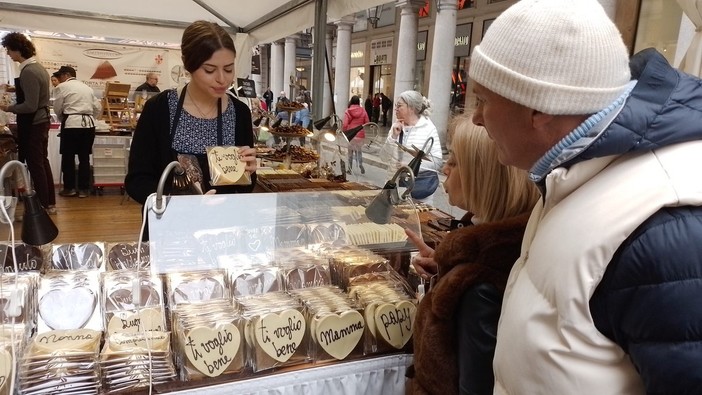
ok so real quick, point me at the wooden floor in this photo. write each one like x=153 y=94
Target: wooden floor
x=111 y=217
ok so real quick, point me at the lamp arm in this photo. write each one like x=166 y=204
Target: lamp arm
x=409 y=181
x=159 y=207
x=25 y=176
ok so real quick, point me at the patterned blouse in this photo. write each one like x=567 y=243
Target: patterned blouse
x=193 y=134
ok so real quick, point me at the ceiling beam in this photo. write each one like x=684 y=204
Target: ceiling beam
x=30 y=9
x=285 y=9
x=216 y=13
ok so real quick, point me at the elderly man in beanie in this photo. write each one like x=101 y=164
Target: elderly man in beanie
x=606 y=297
x=77 y=108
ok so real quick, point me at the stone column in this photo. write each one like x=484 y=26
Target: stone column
x=277 y=64
x=289 y=71
x=343 y=64
x=405 y=63
x=442 y=65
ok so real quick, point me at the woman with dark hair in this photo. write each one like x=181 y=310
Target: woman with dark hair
x=178 y=124
x=354 y=116
x=33 y=120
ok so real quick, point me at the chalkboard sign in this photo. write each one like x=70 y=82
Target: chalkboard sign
x=247 y=88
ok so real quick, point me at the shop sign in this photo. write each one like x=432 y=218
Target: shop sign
x=255 y=60
x=247 y=88
x=462 y=41
x=381 y=51
x=422 y=45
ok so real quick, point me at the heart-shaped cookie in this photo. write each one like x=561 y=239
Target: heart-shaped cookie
x=144 y=320
x=75 y=339
x=5 y=369
x=211 y=351
x=279 y=335
x=198 y=290
x=67 y=308
x=124 y=255
x=226 y=166
x=395 y=322
x=255 y=283
x=338 y=334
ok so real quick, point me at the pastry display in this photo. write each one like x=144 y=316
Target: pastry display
x=297 y=154
x=289 y=106
x=291 y=131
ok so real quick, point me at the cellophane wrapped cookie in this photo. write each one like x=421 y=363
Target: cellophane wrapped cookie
x=78 y=256
x=226 y=166
x=70 y=300
x=132 y=302
x=61 y=361
x=128 y=256
x=348 y=262
x=302 y=268
x=18 y=317
x=209 y=340
x=136 y=360
x=336 y=323
x=388 y=309
x=275 y=330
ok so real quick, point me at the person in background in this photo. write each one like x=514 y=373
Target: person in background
x=282 y=100
x=33 y=118
x=150 y=85
x=455 y=328
x=257 y=110
x=303 y=118
x=55 y=80
x=414 y=128
x=385 y=105
x=368 y=105
x=376 y=108
x=354 y=116
x=77 y=108
x=262 y=103
x=304 y=96
x=268 y=98
x=605 y=297
x=178 y=124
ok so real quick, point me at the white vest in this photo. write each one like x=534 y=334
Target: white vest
x=547 y=342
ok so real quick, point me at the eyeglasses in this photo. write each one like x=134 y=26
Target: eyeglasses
x=398 y=105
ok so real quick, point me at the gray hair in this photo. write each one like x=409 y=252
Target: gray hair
x=418 y=103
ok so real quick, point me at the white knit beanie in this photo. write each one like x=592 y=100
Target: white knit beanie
x=554 y=56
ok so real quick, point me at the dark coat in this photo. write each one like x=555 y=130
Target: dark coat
x=151 y=150
x=456 y=324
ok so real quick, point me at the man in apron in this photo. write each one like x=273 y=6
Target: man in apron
x=77 y=107
x=33 y=120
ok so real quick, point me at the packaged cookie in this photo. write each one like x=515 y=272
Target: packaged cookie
x=132 y=302
x=275 y=330
x=209 y=340
x=336 y=324
x=128 y=256
x=78 y=256
x=226 y=166
x=69 y=300
x=389 y=313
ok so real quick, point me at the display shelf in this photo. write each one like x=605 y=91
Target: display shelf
x=380 y=375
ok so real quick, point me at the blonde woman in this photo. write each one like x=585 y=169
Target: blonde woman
x=455 y=329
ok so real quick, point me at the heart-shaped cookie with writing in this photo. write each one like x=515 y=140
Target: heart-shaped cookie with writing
x=338 y=334
x=74 y=339
x=5 y=369
x=395 y=322
x=211 y=351
x=198 y=290
x=280 y=334
x=144 y=320
x=226 y=166
x=69 y=308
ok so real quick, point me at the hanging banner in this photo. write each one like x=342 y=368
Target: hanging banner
x=98 y=63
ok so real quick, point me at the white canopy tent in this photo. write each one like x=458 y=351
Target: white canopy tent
x=161 y=22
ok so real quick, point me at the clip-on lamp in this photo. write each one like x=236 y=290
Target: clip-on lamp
x=380 y=209
x=416 y=162
x=37 y=227
x=180 y=181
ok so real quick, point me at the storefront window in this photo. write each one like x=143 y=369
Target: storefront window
x=357 y=78
x=659 y=27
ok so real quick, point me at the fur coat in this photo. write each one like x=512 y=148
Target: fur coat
x=468 y=258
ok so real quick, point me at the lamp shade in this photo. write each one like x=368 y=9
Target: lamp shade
x=319 y=124
x=380 y=209
x=416 y=163
x=37 y=228
x=277 y=123
x=257 y=121
x=351 y=133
